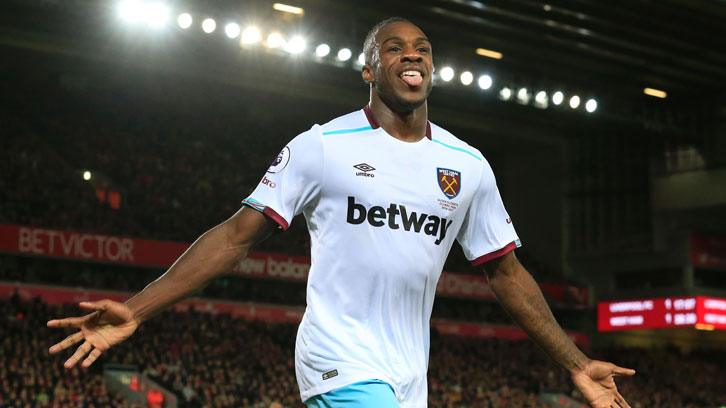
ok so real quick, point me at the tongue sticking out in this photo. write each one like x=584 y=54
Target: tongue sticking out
x=412 y=80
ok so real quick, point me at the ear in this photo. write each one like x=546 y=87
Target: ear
x=367 y=74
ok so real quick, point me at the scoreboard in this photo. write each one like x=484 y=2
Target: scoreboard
x=701 y=312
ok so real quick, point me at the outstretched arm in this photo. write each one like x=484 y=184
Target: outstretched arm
x=521 y=297
x=213 y=254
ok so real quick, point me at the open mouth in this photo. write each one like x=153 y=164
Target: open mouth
x=412 y=77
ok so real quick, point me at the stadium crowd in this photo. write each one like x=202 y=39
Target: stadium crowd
x=176 y=177
x=218 y=362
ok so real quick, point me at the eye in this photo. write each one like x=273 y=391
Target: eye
x=422 y=49
x=394 y=49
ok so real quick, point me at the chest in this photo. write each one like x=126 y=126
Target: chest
x=395 y=177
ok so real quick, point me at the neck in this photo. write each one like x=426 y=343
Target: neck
x=409 y=126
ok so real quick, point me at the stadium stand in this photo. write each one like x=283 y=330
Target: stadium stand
x=218 y=361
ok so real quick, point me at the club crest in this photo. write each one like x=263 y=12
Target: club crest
x=449 y=182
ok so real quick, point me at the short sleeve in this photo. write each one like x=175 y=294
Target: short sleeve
x=487 y=232
x=292 y=181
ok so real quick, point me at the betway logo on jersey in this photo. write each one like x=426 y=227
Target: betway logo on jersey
x=395 y=213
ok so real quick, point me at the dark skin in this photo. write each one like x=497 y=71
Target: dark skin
x=401 y=111
x=400 y=108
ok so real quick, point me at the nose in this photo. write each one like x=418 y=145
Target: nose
x=411 y=55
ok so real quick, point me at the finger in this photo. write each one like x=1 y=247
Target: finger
x=92 y=356
x=620 y=400
x=67 y=342
x=622 y=371
x=99 y=305
x=82 y=351
x=73 y=322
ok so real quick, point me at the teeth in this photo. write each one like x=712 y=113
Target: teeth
x=411 y=73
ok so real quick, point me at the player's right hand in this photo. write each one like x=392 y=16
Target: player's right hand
x=109 y=324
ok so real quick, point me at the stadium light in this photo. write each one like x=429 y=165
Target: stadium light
x=250 y=35
x=447 y=74
x=322 y=50
x=156 y=14
x=232 y=30
x=131 y=11
x=505 y=94
x=288 y=9
x=655 y=92
x=184 y=20
x=296 y=45
x=523 y=96
x=361 y=59
x=466 y=78
x=574 y=102
x=540 y=100
x=209 y=25
x=558 y=97
x=275 y=40
x=86 y=175
x=488 y=53
x=344 y=54
x=591 y=105
x=485 y=82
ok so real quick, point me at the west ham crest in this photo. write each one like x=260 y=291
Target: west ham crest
x=449 y=181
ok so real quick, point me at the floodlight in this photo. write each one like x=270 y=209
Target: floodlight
x=296 y=45
x=322 y=50
x=232 y=30
x=156 y=14
x=209 y=25
x=131 y=11
x=466 y=78
x=523 y=95
x=86 y=175
x=558 y=97
x=362 y=59
x=591 y=105
x=275 y=40
x=447 y=74
x=489 y=53
x=344 y=54
x=184 y=20
x=541 y=97
x=251 y=35
x=655 y=92
x=574 y=102
x=505 y=94
x=485 y=82
x=288 y=9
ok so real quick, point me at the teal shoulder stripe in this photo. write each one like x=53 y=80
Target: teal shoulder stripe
x=459 y=149
x=341 y=131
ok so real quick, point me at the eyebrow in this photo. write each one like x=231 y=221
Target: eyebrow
x=419 y=39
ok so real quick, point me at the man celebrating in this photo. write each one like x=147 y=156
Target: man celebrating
x=385 y=193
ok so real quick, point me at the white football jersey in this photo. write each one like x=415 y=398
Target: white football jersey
x=382 y=216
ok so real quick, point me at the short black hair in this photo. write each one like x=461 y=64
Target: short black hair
x=369 y=45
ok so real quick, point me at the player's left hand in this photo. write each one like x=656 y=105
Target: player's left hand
x=597 y=384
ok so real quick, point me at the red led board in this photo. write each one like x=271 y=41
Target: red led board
x=659 y=313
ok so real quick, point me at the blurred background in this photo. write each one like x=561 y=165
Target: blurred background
x=130 y=127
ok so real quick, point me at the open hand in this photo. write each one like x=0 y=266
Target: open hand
x=597 y=384
x=109 y=324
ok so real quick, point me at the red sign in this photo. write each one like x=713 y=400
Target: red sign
x=695 y=311
x=53 y=295
x=708 y=251
x=145 y=252
x=91 y=247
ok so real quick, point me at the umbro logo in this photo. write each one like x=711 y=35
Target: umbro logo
x=365 y=170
